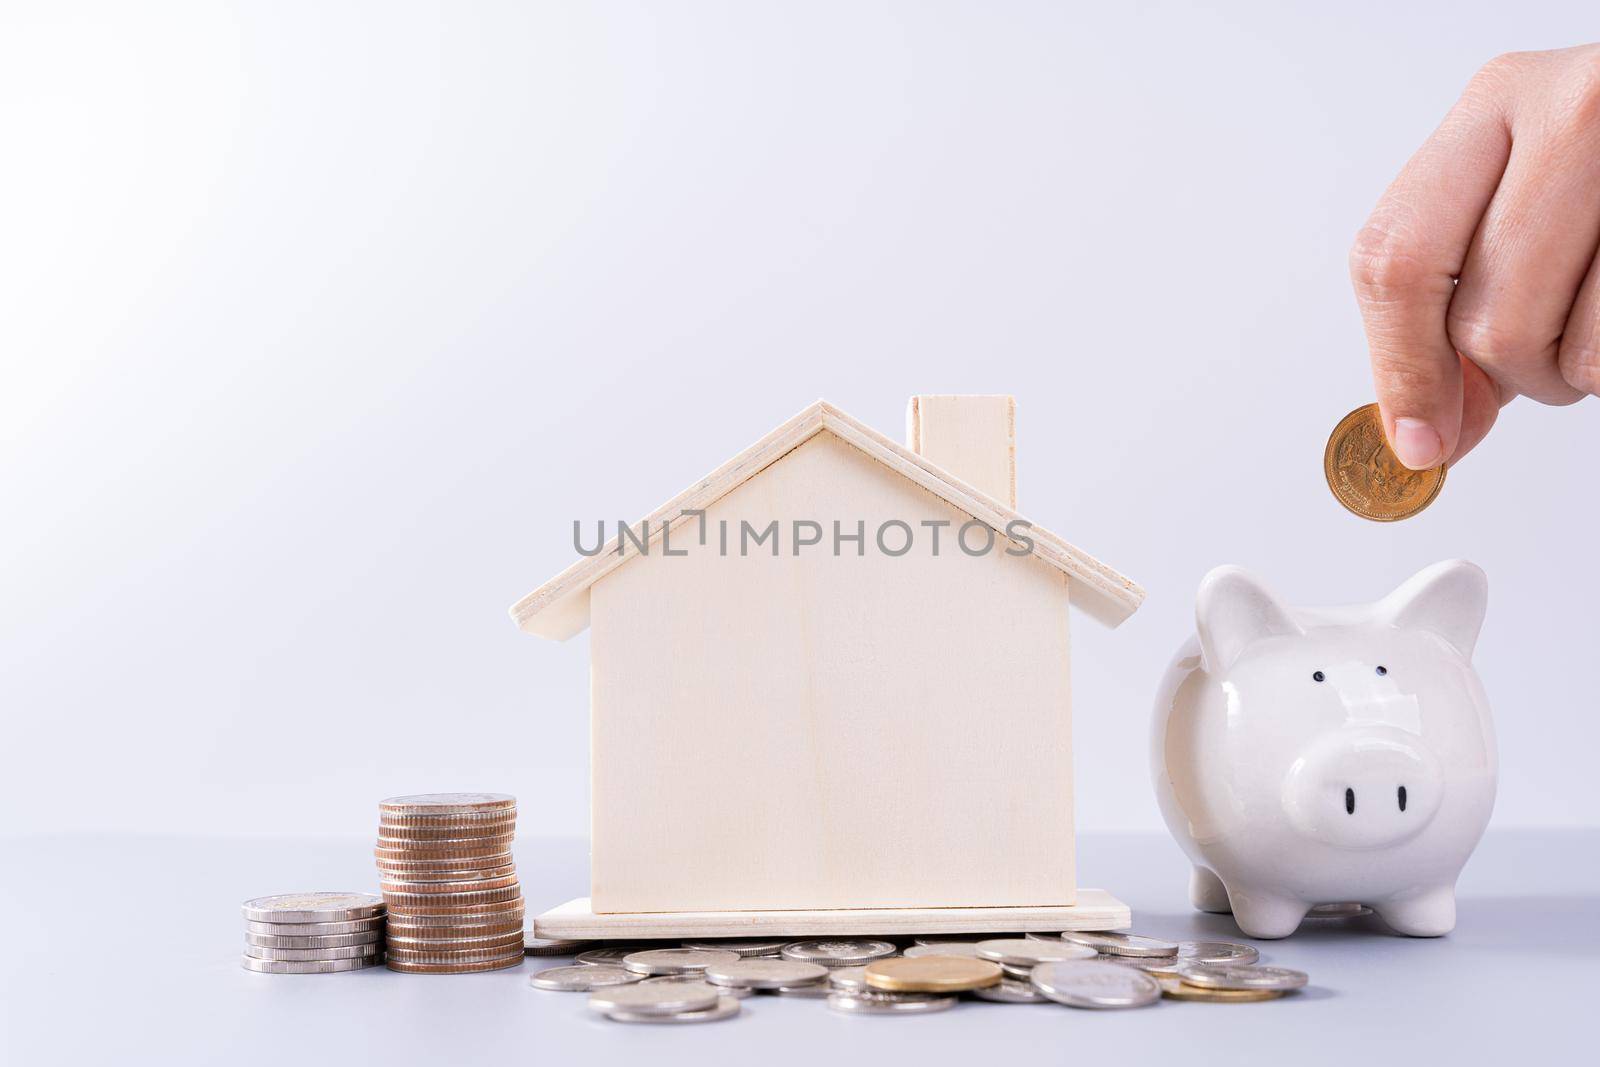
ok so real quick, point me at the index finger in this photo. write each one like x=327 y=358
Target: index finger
x=1404 y=265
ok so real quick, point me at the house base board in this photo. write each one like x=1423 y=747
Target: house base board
x=1096 y=910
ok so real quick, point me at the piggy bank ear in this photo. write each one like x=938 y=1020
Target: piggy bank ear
x=1232 y=610
x=1447 y=599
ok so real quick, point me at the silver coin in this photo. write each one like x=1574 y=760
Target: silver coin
x=815 y=990
x=353 y=926
x=850 y=979
x=410 y=876
x=330 y=941
x=1021 y=952
x=250 y=963
x=580 y=979
x=1157 y=965
x=1012 y=991
x=871 y=1002
x=313 y=907
x=1113 y=944
x=447 y=803
x=1016 y=971
x=727 y=991
x=656 y=998
x=1338 y=911
x=743 y=948
x=838 y=953
x=675 y=960
x=1241 y=976
x=349 y=952
x=461 y=824
x=1217 y=952
x=967 y=949
x=764 y=974
x=725 y=1008
x=1092 y=984
x=609 y=954
x=552 y=946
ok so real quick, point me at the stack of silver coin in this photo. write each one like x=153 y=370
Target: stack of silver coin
x=455 y=905
x=313 y=933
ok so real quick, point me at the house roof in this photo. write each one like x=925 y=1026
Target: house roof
x=559 y=608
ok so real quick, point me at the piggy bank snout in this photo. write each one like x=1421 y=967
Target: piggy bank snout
x=1363 y=789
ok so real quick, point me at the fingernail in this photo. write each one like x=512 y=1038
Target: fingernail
x=1416 y=444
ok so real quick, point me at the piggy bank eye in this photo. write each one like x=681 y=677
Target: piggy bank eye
x=1318 y=676
x=1382 y=670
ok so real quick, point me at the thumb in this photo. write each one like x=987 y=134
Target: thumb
x=1420 y=396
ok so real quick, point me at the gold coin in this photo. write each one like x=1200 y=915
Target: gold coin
x=479 y=916
x=465 y=843
x=1367 y=478
x=410 y=925
x=423 y=903
x=419 y=916
x=454 y=968
x=393 y=884
x=932 y=974
x=451 y=953
x=428 y=944
x=1177 y=989
x=439 y=829
x=422 y=934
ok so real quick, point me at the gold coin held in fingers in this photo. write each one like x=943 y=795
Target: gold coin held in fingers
x=1366 y=476
x=932 y=974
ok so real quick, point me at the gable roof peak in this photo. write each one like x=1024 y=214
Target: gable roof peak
x=560 y=608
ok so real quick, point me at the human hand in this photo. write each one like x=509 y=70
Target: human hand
x=1477 y=273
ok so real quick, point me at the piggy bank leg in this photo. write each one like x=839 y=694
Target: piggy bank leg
x=1207 y=893
x=1428 y=914
x=1264 y=914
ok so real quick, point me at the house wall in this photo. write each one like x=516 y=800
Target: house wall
x=821 y=731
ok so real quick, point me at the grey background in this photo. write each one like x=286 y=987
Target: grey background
x=320 y=323
x=1513 y=984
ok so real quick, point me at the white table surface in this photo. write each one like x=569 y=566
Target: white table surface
x=138 y=963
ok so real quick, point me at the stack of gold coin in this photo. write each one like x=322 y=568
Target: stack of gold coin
x=450 y=883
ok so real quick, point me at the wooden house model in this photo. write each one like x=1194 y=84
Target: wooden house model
x=830 y=691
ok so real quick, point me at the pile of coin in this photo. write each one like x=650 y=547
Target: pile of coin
x=313 y=933
x=455 y=904
x=1216 y=972
x=703 y=981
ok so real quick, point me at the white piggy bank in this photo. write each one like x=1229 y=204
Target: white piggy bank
x=1329 y=755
